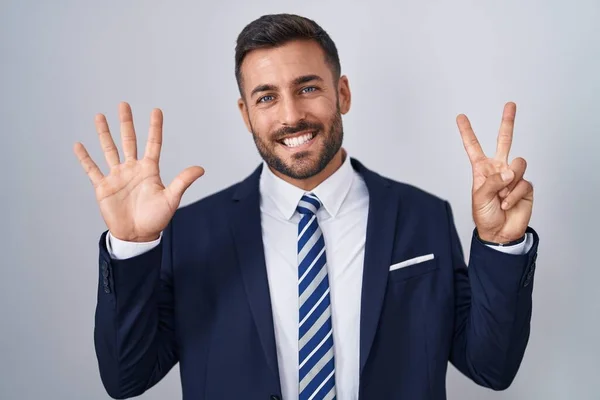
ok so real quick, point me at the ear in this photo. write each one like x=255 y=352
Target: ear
x=244 y=111
x=344 y=94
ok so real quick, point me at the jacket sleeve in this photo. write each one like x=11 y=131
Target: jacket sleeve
x=493 y=304
x=134 y=334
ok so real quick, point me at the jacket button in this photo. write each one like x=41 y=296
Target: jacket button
x=106 y=289
x=275 y=397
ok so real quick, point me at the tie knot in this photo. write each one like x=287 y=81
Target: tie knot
x=309 y=204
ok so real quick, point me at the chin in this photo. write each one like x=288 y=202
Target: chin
x=303 y=161
x=299 y=166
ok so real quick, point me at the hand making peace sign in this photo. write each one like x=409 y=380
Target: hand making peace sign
x=502 y=199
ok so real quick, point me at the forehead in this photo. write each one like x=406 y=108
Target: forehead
x=280 y=65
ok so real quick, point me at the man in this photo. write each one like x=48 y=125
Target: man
x=315 y=277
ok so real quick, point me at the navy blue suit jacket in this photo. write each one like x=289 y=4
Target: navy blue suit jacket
x=201 y=298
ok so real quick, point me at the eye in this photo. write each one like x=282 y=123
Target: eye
x=308 y=89
x=265 y=99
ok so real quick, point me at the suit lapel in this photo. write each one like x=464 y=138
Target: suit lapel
x=247 y=233
x=381 y=225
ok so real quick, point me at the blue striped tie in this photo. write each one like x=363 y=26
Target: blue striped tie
x=316 y=361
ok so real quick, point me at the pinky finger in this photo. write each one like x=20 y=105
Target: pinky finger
x=523 y=190
x=89 y=166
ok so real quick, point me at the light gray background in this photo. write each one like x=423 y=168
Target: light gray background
x=413 y=66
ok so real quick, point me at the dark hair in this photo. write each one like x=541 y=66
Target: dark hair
x=277 y=29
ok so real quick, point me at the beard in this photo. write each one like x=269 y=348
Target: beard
x=302 y=165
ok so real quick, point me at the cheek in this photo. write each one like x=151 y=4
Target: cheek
x=321 y=110
x=262 y=125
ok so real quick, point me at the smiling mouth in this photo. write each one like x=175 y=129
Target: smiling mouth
x=297 y=141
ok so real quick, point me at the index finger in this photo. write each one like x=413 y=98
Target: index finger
x=469 y=139
x=505 y=135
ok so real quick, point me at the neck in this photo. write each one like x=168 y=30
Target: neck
x=314 y=181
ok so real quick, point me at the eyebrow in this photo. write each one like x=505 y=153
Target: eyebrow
x=298 y=81
x=306 y=78
x=262 y=88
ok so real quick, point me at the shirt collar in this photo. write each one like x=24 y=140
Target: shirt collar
x=332 y=191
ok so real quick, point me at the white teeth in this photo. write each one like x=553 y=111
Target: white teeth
x=298 y=141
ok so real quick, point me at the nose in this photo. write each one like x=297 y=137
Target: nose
x=291 y=111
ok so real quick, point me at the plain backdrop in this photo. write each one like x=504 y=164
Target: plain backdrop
x=412 y=66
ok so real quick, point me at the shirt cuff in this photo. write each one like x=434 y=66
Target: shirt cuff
x=121 y=250
x=517 y=249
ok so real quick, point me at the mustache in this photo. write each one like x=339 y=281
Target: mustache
x=301 y=126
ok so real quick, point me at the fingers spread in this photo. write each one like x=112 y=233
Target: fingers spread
x=127 y=132
x=89 y=166
x=111 y=154
x=469 y=139
x=523 y=190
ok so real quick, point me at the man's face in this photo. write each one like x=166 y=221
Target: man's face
x=293 y=107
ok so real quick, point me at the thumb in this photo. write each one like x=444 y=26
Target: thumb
x=495 y=183
x=184 y=181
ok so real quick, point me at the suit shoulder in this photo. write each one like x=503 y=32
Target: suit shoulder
x=421 y=204
x=414 y=194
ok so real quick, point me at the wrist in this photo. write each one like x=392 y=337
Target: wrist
x=135 y=239
x=146 y=239
x=497 y=240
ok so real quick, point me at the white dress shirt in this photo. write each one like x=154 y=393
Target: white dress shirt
x=343 y=221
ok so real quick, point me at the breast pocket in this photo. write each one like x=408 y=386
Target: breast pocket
x=413 y=267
